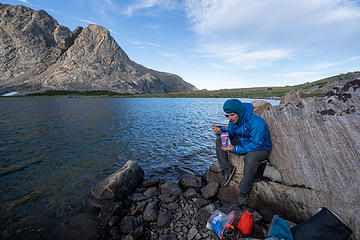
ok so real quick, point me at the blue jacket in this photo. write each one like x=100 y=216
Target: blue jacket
x=252 y=131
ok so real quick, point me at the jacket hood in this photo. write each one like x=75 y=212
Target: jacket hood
x=234 y=106
x=248 y=110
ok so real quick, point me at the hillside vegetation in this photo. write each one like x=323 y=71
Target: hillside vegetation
x=309 y=89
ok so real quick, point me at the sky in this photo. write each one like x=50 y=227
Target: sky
x=219 y=44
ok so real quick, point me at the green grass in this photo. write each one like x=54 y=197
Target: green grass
x=310 y=89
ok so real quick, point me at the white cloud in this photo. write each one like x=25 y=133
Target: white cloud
x=87 y=21
x=168 y=54
x=146 y=4
x=322 y=66
x=109 y=3
x=136 y=42
x=294 y=78
x=173 y=57
x=298 y=75
x=350 y=69
x=343 y=11
x=140 y=5
x=270 y=17
x=103 y=6
x=355 y=58
x=147 y=44
x=24 y=1
x=242 y=57
x=53 y=10
x=113 y=32
x=272 y=30
x=218 y=66
x=159 y=46
x=154 y=27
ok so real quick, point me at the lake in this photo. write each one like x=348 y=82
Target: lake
x=54 y=149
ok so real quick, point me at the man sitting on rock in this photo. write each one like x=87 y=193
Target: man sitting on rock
x=250 y=135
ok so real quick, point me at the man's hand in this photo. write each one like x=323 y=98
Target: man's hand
x=230 y=148
x=216 y=130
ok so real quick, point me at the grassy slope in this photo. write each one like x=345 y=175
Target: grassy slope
x=317 y=88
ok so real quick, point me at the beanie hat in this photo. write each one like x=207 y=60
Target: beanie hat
x=234 y=106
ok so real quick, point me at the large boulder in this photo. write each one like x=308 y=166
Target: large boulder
x=316 y=147
x=108 y=194
x=119 y=184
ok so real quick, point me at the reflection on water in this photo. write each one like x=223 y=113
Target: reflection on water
x=53 y=150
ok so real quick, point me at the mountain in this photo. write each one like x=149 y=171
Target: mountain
x=38 y=54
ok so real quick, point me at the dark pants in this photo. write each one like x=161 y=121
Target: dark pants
x=251 y=163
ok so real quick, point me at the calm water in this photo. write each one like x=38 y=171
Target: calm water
x=53 y=150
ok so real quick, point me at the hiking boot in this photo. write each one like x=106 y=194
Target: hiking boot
x=228 y=173
x=243 y=199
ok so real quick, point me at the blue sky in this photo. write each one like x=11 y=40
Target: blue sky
x=217 y=44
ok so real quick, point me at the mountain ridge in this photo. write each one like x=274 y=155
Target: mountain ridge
x=38 y=54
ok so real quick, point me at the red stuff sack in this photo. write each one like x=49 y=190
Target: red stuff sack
x=246 y=223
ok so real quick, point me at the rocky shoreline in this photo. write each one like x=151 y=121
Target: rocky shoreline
x=162 y=209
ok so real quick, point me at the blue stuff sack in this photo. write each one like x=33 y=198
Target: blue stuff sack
x=220 y=222
x=217 y=227
x=280 y=229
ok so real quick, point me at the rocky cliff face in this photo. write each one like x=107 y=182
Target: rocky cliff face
x=316 y=147
x=38 y=54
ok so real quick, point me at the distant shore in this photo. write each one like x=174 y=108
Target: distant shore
x=227 y=93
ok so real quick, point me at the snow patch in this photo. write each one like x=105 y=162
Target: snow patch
x=9 y=94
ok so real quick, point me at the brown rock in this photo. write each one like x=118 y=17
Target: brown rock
x=260 y=106
x=210 y=190
x=205 y=212
x=230 y=193
x=164 y=219
x=316 y=144
x=200 y=202
x=149 y=183
x=170 y=188
x=190 y=193
x=151 y=211
x=190 y=181
x=128 y=224
x=167 y=198
x=290 y=97
x=213 y=177
x=215 y=167
x=151 y=192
